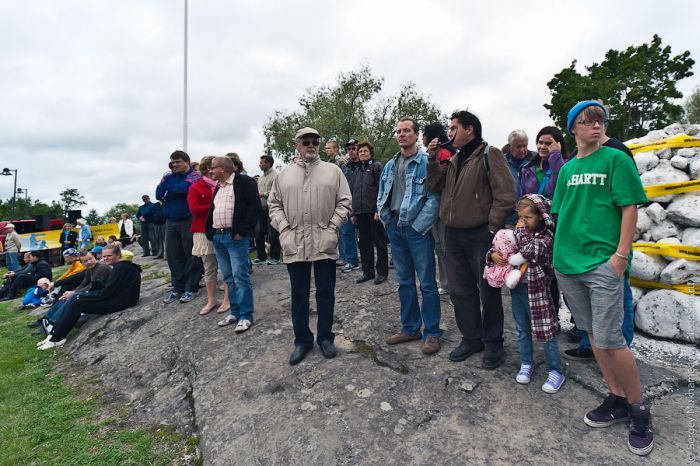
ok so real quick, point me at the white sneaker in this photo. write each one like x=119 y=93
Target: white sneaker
x=51 y=344
x=228 y=320
x=242 y=326
x=524 y=374
x=39 y=343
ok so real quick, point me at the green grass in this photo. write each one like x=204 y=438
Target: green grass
x=50 y=418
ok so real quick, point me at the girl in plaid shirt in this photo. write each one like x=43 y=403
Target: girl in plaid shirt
x=534 y=309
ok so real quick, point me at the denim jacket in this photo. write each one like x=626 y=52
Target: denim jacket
x=419 y=207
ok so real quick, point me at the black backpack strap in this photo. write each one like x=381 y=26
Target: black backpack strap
x=486 y=160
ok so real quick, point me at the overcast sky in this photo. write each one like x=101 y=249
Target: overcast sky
x=92 y=91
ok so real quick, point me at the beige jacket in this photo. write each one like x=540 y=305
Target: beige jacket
x=265 y=185
x=13 y=243
x=313 y=200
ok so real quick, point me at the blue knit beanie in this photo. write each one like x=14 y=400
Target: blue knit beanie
x=578 y=108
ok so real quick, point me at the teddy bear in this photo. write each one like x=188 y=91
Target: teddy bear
x=498 y=275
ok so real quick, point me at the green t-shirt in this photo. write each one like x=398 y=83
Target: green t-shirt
x=539 y=174
x=589 y=197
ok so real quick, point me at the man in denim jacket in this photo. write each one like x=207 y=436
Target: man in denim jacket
x=408 y=211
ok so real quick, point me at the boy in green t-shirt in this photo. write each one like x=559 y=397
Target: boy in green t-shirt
x=596 y=198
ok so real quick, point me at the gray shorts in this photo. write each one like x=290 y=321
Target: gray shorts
x=596 y=299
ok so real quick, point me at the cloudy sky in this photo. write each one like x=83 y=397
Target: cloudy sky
x=92 y=90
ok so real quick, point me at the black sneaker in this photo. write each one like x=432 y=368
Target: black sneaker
x=573 y=335
x=493 y=358
x=641 y=436
x=613 y=409
x=579 y=354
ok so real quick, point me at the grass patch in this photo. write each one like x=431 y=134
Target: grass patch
x=53 y=412
x=155 y=275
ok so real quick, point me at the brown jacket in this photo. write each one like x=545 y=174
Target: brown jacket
x=470 y=200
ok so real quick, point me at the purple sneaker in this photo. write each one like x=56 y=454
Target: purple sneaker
x=613 y=409
x=641 y=435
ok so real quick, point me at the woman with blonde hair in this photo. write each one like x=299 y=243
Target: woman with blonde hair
x=199 y=198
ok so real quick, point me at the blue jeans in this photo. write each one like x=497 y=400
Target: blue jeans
x=413 y=255
x=56 y=310
x=232 y=256
x=300 y=280
x=523 y=330
x=627 y=320
x=348 y=243
x=12 y=261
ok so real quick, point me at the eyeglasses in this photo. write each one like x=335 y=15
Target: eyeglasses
x=592 y=122
x=310 y=142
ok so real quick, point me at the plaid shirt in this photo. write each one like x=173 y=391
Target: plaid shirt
x=223 y=204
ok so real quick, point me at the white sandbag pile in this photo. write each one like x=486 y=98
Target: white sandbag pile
x=668 y=219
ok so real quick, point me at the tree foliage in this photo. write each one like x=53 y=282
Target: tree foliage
x=351 y=108
x=93 y=218
x=70 y=199
x=637 y=84
x=692 y=107
x=117 y=210
x=29 y=209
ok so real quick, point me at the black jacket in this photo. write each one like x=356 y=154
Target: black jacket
x=121 y=290
x=246 y=208
x=42 y=269
x=365 y=187
x=72 y=238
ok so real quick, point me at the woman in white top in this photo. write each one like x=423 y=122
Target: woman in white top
x=126 y=230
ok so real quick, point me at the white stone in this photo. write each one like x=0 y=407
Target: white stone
x=643 y=221
x=637 y=294
x=694 y=169
x=692 y=130
x=646 y=266
x=384 y=406
x=654 y=135
x=664 y=229
x=656 y=213
x=686 y=152
x=674 y=128
x=691 y=237
x=685 y=210
x=679 y=162
x=670 y=240
x=364 y=393
x=350 y=387
x=646 y=236
x=663 y=173
x=680 y=271
x=306 y=406
x=665 y=154
x=645 y=161
x=669 y=314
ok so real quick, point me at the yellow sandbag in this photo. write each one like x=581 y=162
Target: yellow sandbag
x=673 y=142
x=687 y=288
x=680 y=251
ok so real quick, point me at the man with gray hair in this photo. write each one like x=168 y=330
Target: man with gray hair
x=518 y=155
x=309 y=201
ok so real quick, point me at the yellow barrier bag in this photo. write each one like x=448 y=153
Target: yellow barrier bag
x=672 y=188
x=687 y=288
x=674 y=142
x=680 y=251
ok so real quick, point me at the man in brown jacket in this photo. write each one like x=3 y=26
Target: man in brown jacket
x=309 y=201
x=476 y=197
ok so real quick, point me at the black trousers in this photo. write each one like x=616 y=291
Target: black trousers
x=71 y=315
x=372 y=235
x=465 y=256
x=184 y=271
x=264 y=231
x=300 y=279
x=18 y=283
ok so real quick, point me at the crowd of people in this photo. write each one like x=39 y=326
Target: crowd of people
x=448 y=213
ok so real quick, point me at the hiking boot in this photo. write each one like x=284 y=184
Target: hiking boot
x=431 y=345
x=641 y=435
x=555 y=380
x=401 y=337
x=613 y=409
x=524 y=374
x=579 y=354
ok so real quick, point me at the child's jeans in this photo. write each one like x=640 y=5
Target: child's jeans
x=523 y=330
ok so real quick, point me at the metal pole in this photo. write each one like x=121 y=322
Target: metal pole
x=14 y=196
x=184 y=120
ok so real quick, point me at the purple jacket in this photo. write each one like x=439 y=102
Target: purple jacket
x=528 y=179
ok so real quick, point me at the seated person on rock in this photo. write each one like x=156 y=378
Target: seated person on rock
x=72 y=277
x=121 y=291
x=32 y=297
x=19 y=281
x=96 y=275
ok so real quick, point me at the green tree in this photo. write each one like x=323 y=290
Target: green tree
x=93 y=218
x=637 y=84
x=692 y=107
x=117 y=210
x=350 y=108
x=70 y=199
x=34 y=208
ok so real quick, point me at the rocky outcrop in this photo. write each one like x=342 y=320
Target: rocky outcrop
x=669 y=314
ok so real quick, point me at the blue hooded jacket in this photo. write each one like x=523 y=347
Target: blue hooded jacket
x=172 y=191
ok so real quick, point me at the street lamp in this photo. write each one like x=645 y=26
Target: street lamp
x=26 y=199
x=8 y=172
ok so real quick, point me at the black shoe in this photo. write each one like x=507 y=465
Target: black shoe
x=158 y=257
x=363 y=279
x=6 y=298
x=573 y=335
x=145 y=255
x=579 y=354
x=379 y=280
x=35 y=324
x=493 y=358
x=328 y=349
x=463 y=351
x=299 y=354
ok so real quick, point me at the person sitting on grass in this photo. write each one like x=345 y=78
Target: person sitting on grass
x=121 y=291
x=34 y=294
x=19 y=281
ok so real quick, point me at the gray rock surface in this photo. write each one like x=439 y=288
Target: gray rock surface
x=646 y=266
x=373 y=404
x=663 y=173
x=680 y=271
x=691 y=237
x=664 y=229
x=694 y=169
x=685 y=210
x=645 y=161
x=644 y=223
x=656 y=212
x=669 y=314
x=669 y=240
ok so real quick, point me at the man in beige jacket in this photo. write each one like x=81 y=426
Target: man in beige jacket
x=309 y=201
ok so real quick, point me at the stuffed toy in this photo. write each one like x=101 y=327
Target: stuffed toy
x=509 y=275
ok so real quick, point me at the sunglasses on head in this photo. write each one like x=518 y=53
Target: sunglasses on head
x=310 y=142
